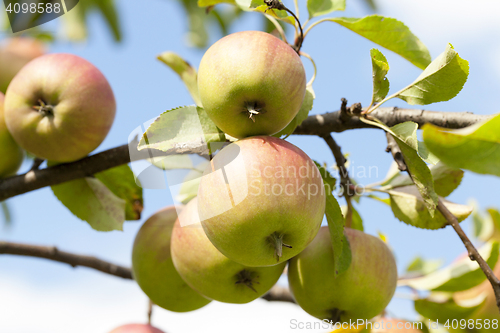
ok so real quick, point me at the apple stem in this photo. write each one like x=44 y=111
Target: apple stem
x=44 y=109
x=247 y=278
x=277 y=241
x=335 y=315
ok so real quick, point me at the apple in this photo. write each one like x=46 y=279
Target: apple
x=11 y=156
x=211 y=273
x=136 y=328
x=361 y=292
x=251 y=83
x=391 y=325
x=271 y=206
x=153 y=269
x=59 y=107
x=14 y=54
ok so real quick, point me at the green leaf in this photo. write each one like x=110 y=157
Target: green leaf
x=475 y=148
x=208 y=3
x=121 y=181
x=190 y=184
x=184 y=127
x=421 y=175
x=391 y=34
x=110 y=15
x=186 y=72
x=7 y=217
x=357 y=221
x=408 y=206
x=172 y=162
x=322 y=7
x=197 y=19
x=307 y=105
x=380 y=67
x=90 y=200
x=445 y=308
x=328 y=180
x=484 y=226
x=260 y=6
x=440 y=81
x=341 y=250
x=420 y=266
x=446 y=179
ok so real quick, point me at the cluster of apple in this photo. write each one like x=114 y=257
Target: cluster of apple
x=57 y=107
x=260 y=203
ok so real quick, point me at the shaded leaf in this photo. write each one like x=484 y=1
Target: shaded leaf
x=357 y=221
x=380 y=67
x=182 y=127
x=7 y=217
x=446 y=180
x=186 y=72
x=391 y=34
x=172 y=162
x=121 y=181
x=420 y=266
x=440 y=81
x=322 y=7
x=307 y=105
x=408 y=206
x=189 y=187
x=475 y=148
x=341 y=250
x=444 y=309
x=421 y=176
x=110 y=15
x=90 y=200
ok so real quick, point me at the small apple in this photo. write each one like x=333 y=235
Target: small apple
x=14 y=54
x=251 y=83
x=59 y=107
x=391 y=325
x=361 y=292
x=211 y=273
x=11 y=156
x=136 y=328
x=153 y=269
x=261 y=201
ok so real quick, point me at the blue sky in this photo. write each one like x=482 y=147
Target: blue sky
x=39 y=296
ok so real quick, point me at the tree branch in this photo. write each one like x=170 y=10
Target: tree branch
x=53 y=253
x=331 y=122
x=471 y=249
x=320 y=125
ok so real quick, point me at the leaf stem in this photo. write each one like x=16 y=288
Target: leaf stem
x=278 y=27
x=314 y=65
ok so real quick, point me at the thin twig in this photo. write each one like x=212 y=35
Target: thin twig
x=345 y=181
x=397 y=155
x=52 y=253
x=276 y=4
x=471 y=249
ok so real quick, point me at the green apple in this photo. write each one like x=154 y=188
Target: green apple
x=153 y=269
x=14 y=54
x=261 y=201
x=136 y=328
x=59 y=107
x=251 y=83
x=361 y=292
x=211 y=273
x=11 y=156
